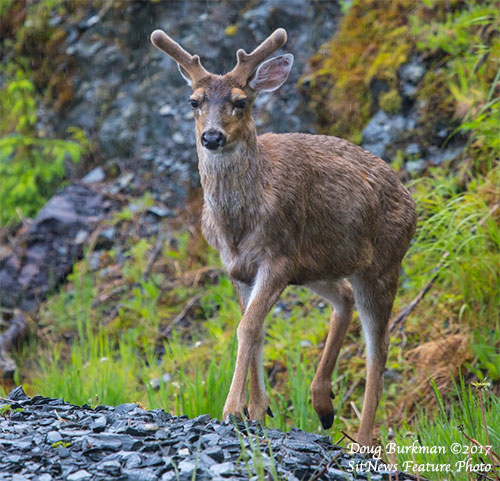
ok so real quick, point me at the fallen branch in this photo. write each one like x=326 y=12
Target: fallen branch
x=416 y=301
x=491 y=453
x=160 y=241
x=325 y=469
x=348 y=393
x=189 y=305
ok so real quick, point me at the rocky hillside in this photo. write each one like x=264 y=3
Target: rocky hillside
x=131 y=100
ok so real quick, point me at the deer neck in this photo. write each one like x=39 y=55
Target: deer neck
x=233 y=184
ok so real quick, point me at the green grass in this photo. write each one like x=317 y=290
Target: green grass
x=115 y=363
x=461 y=226
x=473 y=415
x=258 y=463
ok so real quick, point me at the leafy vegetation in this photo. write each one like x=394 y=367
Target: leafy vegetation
x=32 y=165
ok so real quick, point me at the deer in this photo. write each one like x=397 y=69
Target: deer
x=294 y=209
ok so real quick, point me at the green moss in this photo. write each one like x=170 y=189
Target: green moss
x=458 y=41
x=373 y=42
x=461 y=86
x=390 y=101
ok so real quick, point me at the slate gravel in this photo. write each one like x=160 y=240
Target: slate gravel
x=47 y=439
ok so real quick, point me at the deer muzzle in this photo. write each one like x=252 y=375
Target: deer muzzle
x=213 y=139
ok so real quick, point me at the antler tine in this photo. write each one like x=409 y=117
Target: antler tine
x=190 y=63
x=247 y=63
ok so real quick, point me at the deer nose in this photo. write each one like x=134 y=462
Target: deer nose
x=213 y=139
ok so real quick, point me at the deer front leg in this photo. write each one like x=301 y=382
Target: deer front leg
x=268 y=286
x=258 y=405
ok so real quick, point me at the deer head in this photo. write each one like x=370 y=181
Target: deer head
x=222 y=103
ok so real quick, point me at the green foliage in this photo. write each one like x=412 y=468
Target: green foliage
x=34 y=44
x=485 y=345
x=465 y=86
x=457 y=231
x=61 y=444
x=35 y=69
x=31 y=167
x=7 y=410
x=99 y=367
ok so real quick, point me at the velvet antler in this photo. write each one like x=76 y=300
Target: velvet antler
x=190 y=64
x=248 y=62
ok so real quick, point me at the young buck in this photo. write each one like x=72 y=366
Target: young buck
x=301 y=209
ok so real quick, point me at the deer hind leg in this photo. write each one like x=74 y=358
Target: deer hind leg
x=374 y=296
x=268 y=286
x=339 y=293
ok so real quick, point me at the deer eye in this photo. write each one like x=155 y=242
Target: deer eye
x=194 y=103
x=241 y=103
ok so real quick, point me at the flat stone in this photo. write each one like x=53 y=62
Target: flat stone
x=18 y=394
x=133 y=460
x=187 y=466
x=63 y=452
x=139 y=475
x=80 y=475
x=161 y=212
x=111 y=467
x=381 y=130
x=54 y=437
x=95 y=175
x=415 y=166
x=178 y=138
x=109 y=441
x=99 y=424
x=20 y=477
x=125 y=408
x=223 y=469
x=215 y=453
x=45 y=477
x=165 y=110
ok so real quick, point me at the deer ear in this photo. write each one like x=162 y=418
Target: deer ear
x=271 y=74
x=184 y=74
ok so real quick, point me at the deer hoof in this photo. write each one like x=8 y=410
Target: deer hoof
x=246 y=413
x=269 y=412
x=327 y=420
x=332 y=396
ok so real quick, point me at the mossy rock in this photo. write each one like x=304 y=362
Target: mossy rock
x=390 y=101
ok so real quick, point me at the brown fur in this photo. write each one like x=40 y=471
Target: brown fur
x=300 y=209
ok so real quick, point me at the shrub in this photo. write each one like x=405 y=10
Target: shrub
x=31 y=167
